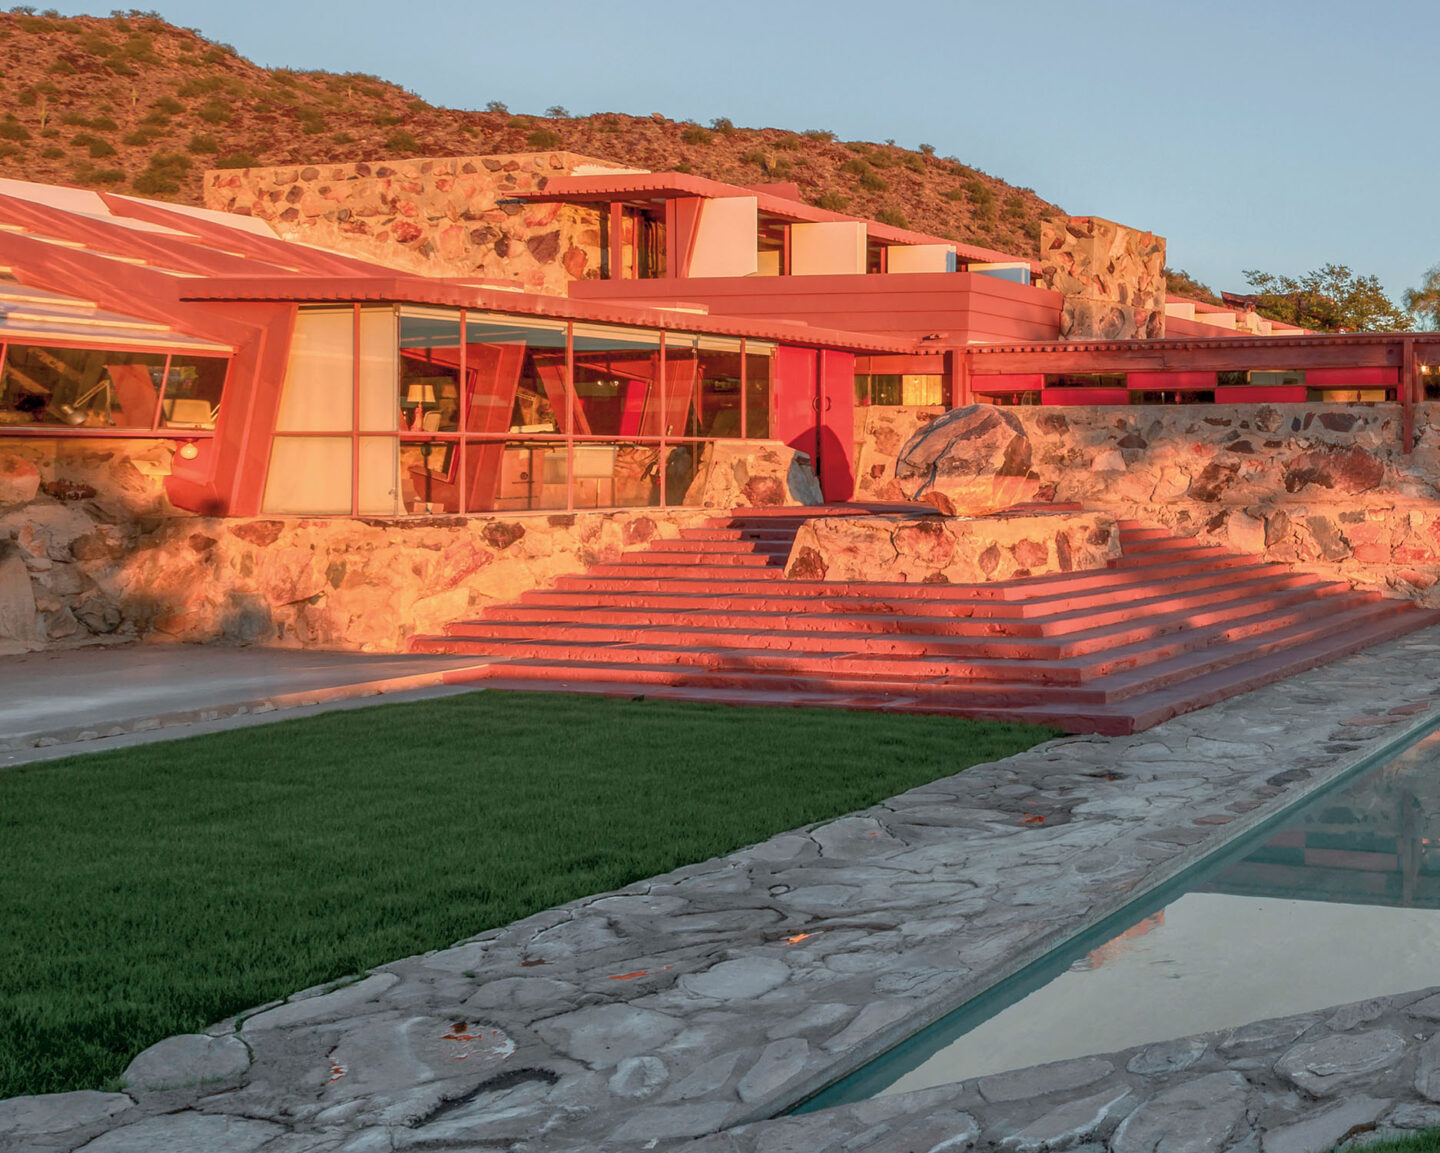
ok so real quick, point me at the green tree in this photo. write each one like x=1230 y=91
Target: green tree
x=1424 y=302
x=1330 y=299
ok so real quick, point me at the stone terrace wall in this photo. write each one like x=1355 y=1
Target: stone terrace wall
x=91 y=551
x=1112 y=278
x=1324 y=487
x=437 y=217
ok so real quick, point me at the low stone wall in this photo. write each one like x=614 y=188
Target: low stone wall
x=91 y=551
x=952 y=550
x=1324 y=487
x=446 y=216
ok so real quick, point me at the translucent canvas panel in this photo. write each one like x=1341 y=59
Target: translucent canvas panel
x=379 y=409
x=319 y=390
x=308 y=475
x=379 y=476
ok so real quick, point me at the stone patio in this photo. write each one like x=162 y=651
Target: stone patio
x=702 y=1003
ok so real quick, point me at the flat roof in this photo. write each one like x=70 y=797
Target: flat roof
x=668 y=185
x=449 y=293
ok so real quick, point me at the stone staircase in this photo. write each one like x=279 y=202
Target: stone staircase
x=1171 y=626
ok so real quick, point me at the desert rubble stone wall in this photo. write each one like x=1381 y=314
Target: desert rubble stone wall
x=1324 y=487
x=952 y=550
x=1111 y=278
x=449 y=216
x=91 y=551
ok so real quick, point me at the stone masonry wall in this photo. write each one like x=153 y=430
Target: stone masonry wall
x=1323 y=487
x=450 y=216
x=91 y=551
x=1112 y=278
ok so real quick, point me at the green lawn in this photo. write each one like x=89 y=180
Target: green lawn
x=1426 y=1141
x=154 y=890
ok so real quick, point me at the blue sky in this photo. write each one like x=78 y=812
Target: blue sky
x=1276 y=135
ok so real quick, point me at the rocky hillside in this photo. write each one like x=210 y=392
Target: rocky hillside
x=138 y=105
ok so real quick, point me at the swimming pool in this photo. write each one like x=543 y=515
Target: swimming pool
x=1285 y=921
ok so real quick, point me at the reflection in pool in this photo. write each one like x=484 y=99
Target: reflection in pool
x=1339 y=902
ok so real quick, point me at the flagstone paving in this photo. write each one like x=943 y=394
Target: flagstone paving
x=702 y=1003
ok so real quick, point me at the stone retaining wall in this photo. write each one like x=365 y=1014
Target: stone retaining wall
x=1324 y=487
x=952 y=550
x=92 y=551
x=448 y=216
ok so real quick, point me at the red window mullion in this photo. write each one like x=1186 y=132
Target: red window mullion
x=570 y=416
x=355 y=414
x=664 y=406
x=160 y=395
x=464 y=414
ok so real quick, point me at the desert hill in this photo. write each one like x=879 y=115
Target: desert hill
x=135 y=104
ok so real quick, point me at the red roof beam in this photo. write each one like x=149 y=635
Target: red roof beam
x=302 y=257
x=117 y=240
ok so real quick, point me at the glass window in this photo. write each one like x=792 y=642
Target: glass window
x=491 y=475
x=759 y=364
x=615 y=374
x=193 y=386
x=516 y=373
x=711 y=366
x=430 y=371
x=80 y=388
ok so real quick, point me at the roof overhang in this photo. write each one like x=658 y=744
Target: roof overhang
x=449 y=293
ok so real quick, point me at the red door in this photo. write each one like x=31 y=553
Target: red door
x=815 y=413
x=795 y=396
x=837 y=426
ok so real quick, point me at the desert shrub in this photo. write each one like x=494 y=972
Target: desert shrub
x=35 y=24
x=914 y=163
x=342 y=138
x=388 y=119
x=497 y=108
x=755 y=157
x=832 y=201
x=893 y=217
x=873 y=182
x=164 y=173
x=140 y=137
x=694 y=134
x=723 y=125
x=50 y=133
x=53 y=153
x=200 y=86
x=108 y=175
x=558 y=112
x=543 y=138
x=1015 y=208
x=99 y=147
x=61 y=67
x=238 y=160
x=684 y=166
x=203 y=142
x=141 y=49
x=8 y=150
x=519 y=122
x=401 y=141
x=215 y=111
x=75 y=119
x=954 y=194
x=928 y=149
x=312 y=120
x=168 y=105
x=822 y=134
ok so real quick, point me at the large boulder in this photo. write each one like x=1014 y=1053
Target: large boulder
x=971 y=460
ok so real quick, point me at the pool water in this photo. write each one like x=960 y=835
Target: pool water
x=1337 y=902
